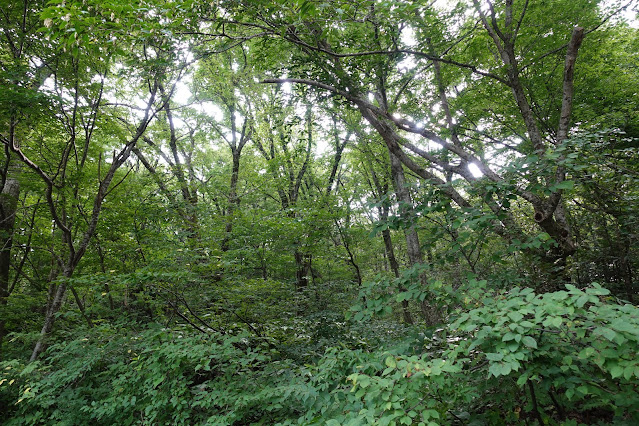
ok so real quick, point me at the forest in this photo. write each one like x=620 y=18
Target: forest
x=319 y=212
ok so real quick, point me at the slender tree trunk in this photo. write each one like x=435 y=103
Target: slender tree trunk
x=413 y=248
x=76 y=253
x=8 y=206
x=624 y=266
x=107 y=290
x=392 y=262
x=234 y=201
x=351 y=256
x=263 y=265
x=80 y=304
x=49 y=319
x=303 y=269
x=302 y=259
x=389 y=250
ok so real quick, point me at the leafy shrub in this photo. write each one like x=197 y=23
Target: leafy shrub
x=155 y=377
x=563 y=356
x=573 y=350
x=569 y=356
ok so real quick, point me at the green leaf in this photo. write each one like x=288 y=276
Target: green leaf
x=508 y=336
x=390 y=362
x=616 y=371
x=598 y=291
x=586 y=352
x=516 y=316
x=552 y=321
x=567 y=184
x=628 y=372
x=514 y=345
x=494 y=356
x=495 y=370
x=364 y=381
x=621 y=325
x=605 y=332
x=530 y=342
x=500 y=369
x=522 y=379
x=581 y=301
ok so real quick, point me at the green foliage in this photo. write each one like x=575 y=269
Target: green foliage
x=575 y=349
x=155 y=376
x=578 y=346
x=263 y=297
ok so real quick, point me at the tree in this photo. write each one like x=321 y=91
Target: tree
x=380 y=190
x=62 y=159
x=285 y=140
x=331 y=43
x=227 y=81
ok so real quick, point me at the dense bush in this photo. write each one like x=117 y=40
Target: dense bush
x=153 y=377
x=568 y=356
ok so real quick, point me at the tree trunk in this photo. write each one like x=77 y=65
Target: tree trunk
x=351 y=256
x=392 y=261
x=49 y=319
x=234 y=201
x=389 y=250
x=8 y=207
x=302 y=269
x=413 y=248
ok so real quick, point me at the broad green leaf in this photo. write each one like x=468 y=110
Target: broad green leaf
x=616 y=371
x=530 y=342
x=516 y=316
x=605 y=332
x=495 y=356
x=390 y=362
x=508 y=336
